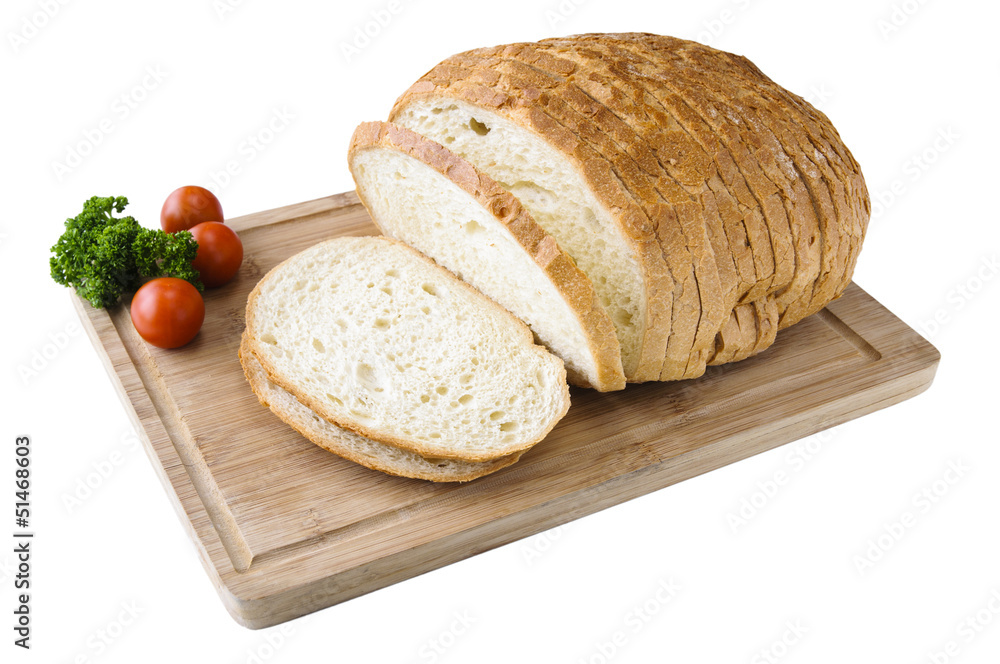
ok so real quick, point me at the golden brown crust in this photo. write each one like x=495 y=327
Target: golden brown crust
x=826 y=144
x=337 y=440
x=826 y=165
x=384 y=435
x=569 y=280
x=701 y=116
x=757 y=246
x=751 y=329
x=777 y=144
x=754 y=163
x=781 y=122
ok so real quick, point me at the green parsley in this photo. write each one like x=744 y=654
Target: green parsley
x=103 y=256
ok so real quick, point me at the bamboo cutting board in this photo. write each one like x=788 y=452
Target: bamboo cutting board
x=285 y=528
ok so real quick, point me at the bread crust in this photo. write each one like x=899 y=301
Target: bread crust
x=700 y=111
x=825 y=164
x=769 y=109
x=825 y=143
x=746 y=148
x=384 y=435
x=339 y=441
x=775 y=144
x=572 y=284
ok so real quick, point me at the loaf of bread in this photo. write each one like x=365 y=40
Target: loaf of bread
x=709 y=206
x=373 y=337
x=648 y=206
x=426 y=196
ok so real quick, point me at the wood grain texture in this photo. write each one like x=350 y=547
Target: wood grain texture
x=285 y=528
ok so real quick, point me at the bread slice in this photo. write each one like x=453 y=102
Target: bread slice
x=354 y=447
x=374 y=337
x=418 y=191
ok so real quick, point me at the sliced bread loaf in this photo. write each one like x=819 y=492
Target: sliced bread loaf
x=354 y=447
x=418 y=191
x=617 y=142
x=374 y=337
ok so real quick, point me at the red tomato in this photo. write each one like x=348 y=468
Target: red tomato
x=220 y=253
x=167 y=312
x=187 y=207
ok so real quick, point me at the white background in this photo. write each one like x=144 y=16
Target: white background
x=894 y=76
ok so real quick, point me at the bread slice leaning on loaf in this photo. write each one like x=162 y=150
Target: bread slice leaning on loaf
x=374 y=337
x=709 y=206
x=354 y=447
x=418 y=191
x=571 y=193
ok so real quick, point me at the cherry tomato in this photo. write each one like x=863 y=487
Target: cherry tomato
x=187 y=207
x=167 y=312
x=220 y=253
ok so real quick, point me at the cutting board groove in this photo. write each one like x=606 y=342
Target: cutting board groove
x=285 y=528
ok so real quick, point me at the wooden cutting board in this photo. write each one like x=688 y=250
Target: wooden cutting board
x=285 y=528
